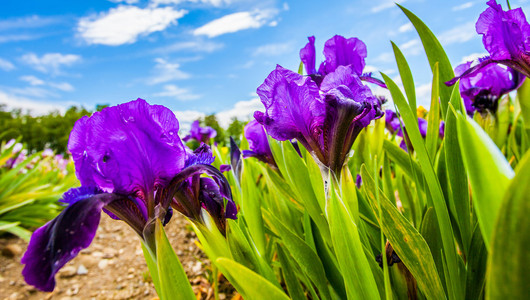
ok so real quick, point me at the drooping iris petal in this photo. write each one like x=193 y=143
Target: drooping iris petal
x=339 y=51
x=482 y=90
x=201 y=155
x=61 y=239
x=132 y=147
x=307 y=55
x=258 y=143
x=235 y=159
x=294 y=108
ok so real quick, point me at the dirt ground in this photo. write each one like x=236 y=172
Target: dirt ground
x=113 y=267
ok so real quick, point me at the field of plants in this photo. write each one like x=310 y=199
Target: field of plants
x=329 y=192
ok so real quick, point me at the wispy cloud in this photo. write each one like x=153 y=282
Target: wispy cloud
x=405 y=27
x=17 y=38
x=166 y=71
x=273 y=49
x=384 y=57
x=186 y=117
x=412 y=47
x=6 y=65
x=192 y=46
x=423 y=94
x=50 y=62
x=459 y=34
x=35 y=107
x=463 y=6
x=124 y=24
x=385 y=4
x=34 y=81
x=125 y=1
x=236 y=22
x=27 y=22
x=181 y=94
x=242 y=110
x=215 y=3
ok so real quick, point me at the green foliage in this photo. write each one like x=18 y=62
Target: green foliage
x=40 y=132
x=211 y=120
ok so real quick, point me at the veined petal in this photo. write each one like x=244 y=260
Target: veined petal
x=294 y=108
x=61 y=239
x=258 y=143
x=201 y=155
x=307 y=55
x=128 y=148
x=340 y=51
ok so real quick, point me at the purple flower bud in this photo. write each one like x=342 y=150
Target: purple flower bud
x=258 y=143
x=200 y=134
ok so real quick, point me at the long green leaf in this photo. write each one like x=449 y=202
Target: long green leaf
x=174 y=283
x=406 y=241
x=489 y=173
x=508 y=266
x=437 y=198
x=249 y=284
x=358 y=279
x=406 y=76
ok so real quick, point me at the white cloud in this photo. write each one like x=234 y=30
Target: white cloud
x=235 y=22
x=35 y=107
x=463 y=6
x=473 y=57
x=166 y=71
x=405 y=27
x=385 y=5
x=50 y=62
x=186 y=117
x=6 y=65
x=32 y=80
x=124 y=24
x=125 y=1
x=412 y=47
x=370 y=69
x=384 y=57
x=215 y=3
x=242 y=110
x=459 y=34
x=194 y=46
x=181 y=94
x=27 y=22
x=423 y=95
x=63 y=86
x=273 y=49
x=16 y=38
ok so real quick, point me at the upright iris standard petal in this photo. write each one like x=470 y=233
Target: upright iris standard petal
x=61 y=239
x=258 y=143
x=130 y=147
x=340 y=51
x=482 y=90
x=201 y=134
x=506 y=36
x=307 y=55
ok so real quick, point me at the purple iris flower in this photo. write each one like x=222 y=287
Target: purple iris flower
x=482 y=90
x=325 y=118
x=258 y=143
x=338 y=51
x=392 y=121
x=506 y=36
x=130 y=162
x=201 y=134
x=393 y=125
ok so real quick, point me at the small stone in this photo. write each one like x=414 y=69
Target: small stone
x=103 y=264
x=30 y=289
x=119 y=287
x=11 y=250
x=12 y=283
x=82 y=270
x=67 y=272
x=131 y=270
x=88 y=261
x=222 y=296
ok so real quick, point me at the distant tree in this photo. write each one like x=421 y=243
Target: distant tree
x=235 y=129
x=100 y=107
x=211 y=120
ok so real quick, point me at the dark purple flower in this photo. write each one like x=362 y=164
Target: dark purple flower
x=130 y=162
x=358 y=181
x=201 y=134
x=258 y=143
x=338 y=51
x=392 y=121
x=506 y=36
x=325 y=119
x=235 y=159
x=482 y=90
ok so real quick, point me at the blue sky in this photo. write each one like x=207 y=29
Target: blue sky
x=203 y=56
